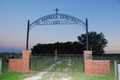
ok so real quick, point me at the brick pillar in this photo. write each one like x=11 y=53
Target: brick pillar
x=87 y=62
x=25 y=58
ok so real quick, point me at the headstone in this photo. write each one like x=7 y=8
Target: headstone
x=10 y=55
x=118 y=71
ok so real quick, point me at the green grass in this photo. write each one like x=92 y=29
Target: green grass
x=77 y=64
x=6 y=75
x=75 y=74
x=60 y=67
x=82 y=76
x=41 y=63
x=55 y=76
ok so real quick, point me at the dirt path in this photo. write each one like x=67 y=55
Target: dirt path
x=46 y=75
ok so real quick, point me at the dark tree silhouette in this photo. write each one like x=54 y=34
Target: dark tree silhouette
x=63 y=48
x=97 y=42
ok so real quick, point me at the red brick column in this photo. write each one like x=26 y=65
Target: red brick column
x=25 y=58
x=87 y=63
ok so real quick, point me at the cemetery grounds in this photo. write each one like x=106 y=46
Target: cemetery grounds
x=67 y=69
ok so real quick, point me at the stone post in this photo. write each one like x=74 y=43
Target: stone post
x=87 y=62
x=118 y=71
x=0 y=66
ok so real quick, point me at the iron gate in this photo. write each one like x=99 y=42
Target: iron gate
x=63 y=62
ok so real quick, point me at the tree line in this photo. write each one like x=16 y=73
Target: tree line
x=97 y=43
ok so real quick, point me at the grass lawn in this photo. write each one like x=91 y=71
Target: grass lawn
x=6 y=75
x=76 y=74
x=82 y=76
x=41 y=63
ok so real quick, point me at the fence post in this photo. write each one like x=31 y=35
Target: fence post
x=35 y=61
x=55 y=60
x=0 y=66
x=30 y=62
x=115 y=68
x=118 y=71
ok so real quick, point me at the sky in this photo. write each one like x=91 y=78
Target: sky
x=103 y=16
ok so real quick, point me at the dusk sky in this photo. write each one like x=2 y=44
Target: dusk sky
x=103 y=16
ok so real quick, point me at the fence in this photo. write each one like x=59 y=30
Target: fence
x=117 y=69
x=65 y=62
x=114 y=61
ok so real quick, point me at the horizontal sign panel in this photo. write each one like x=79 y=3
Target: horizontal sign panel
x=88 y=56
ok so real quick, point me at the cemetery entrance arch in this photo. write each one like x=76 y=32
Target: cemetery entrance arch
x=57 y=19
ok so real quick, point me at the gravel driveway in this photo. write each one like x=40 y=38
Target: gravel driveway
x=51 y=74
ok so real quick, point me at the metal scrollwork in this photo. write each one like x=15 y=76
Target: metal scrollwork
x=57 y=19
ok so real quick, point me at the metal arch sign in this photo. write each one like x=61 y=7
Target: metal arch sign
x=55 y=19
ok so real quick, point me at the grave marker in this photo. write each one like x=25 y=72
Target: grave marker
x=10 y=55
